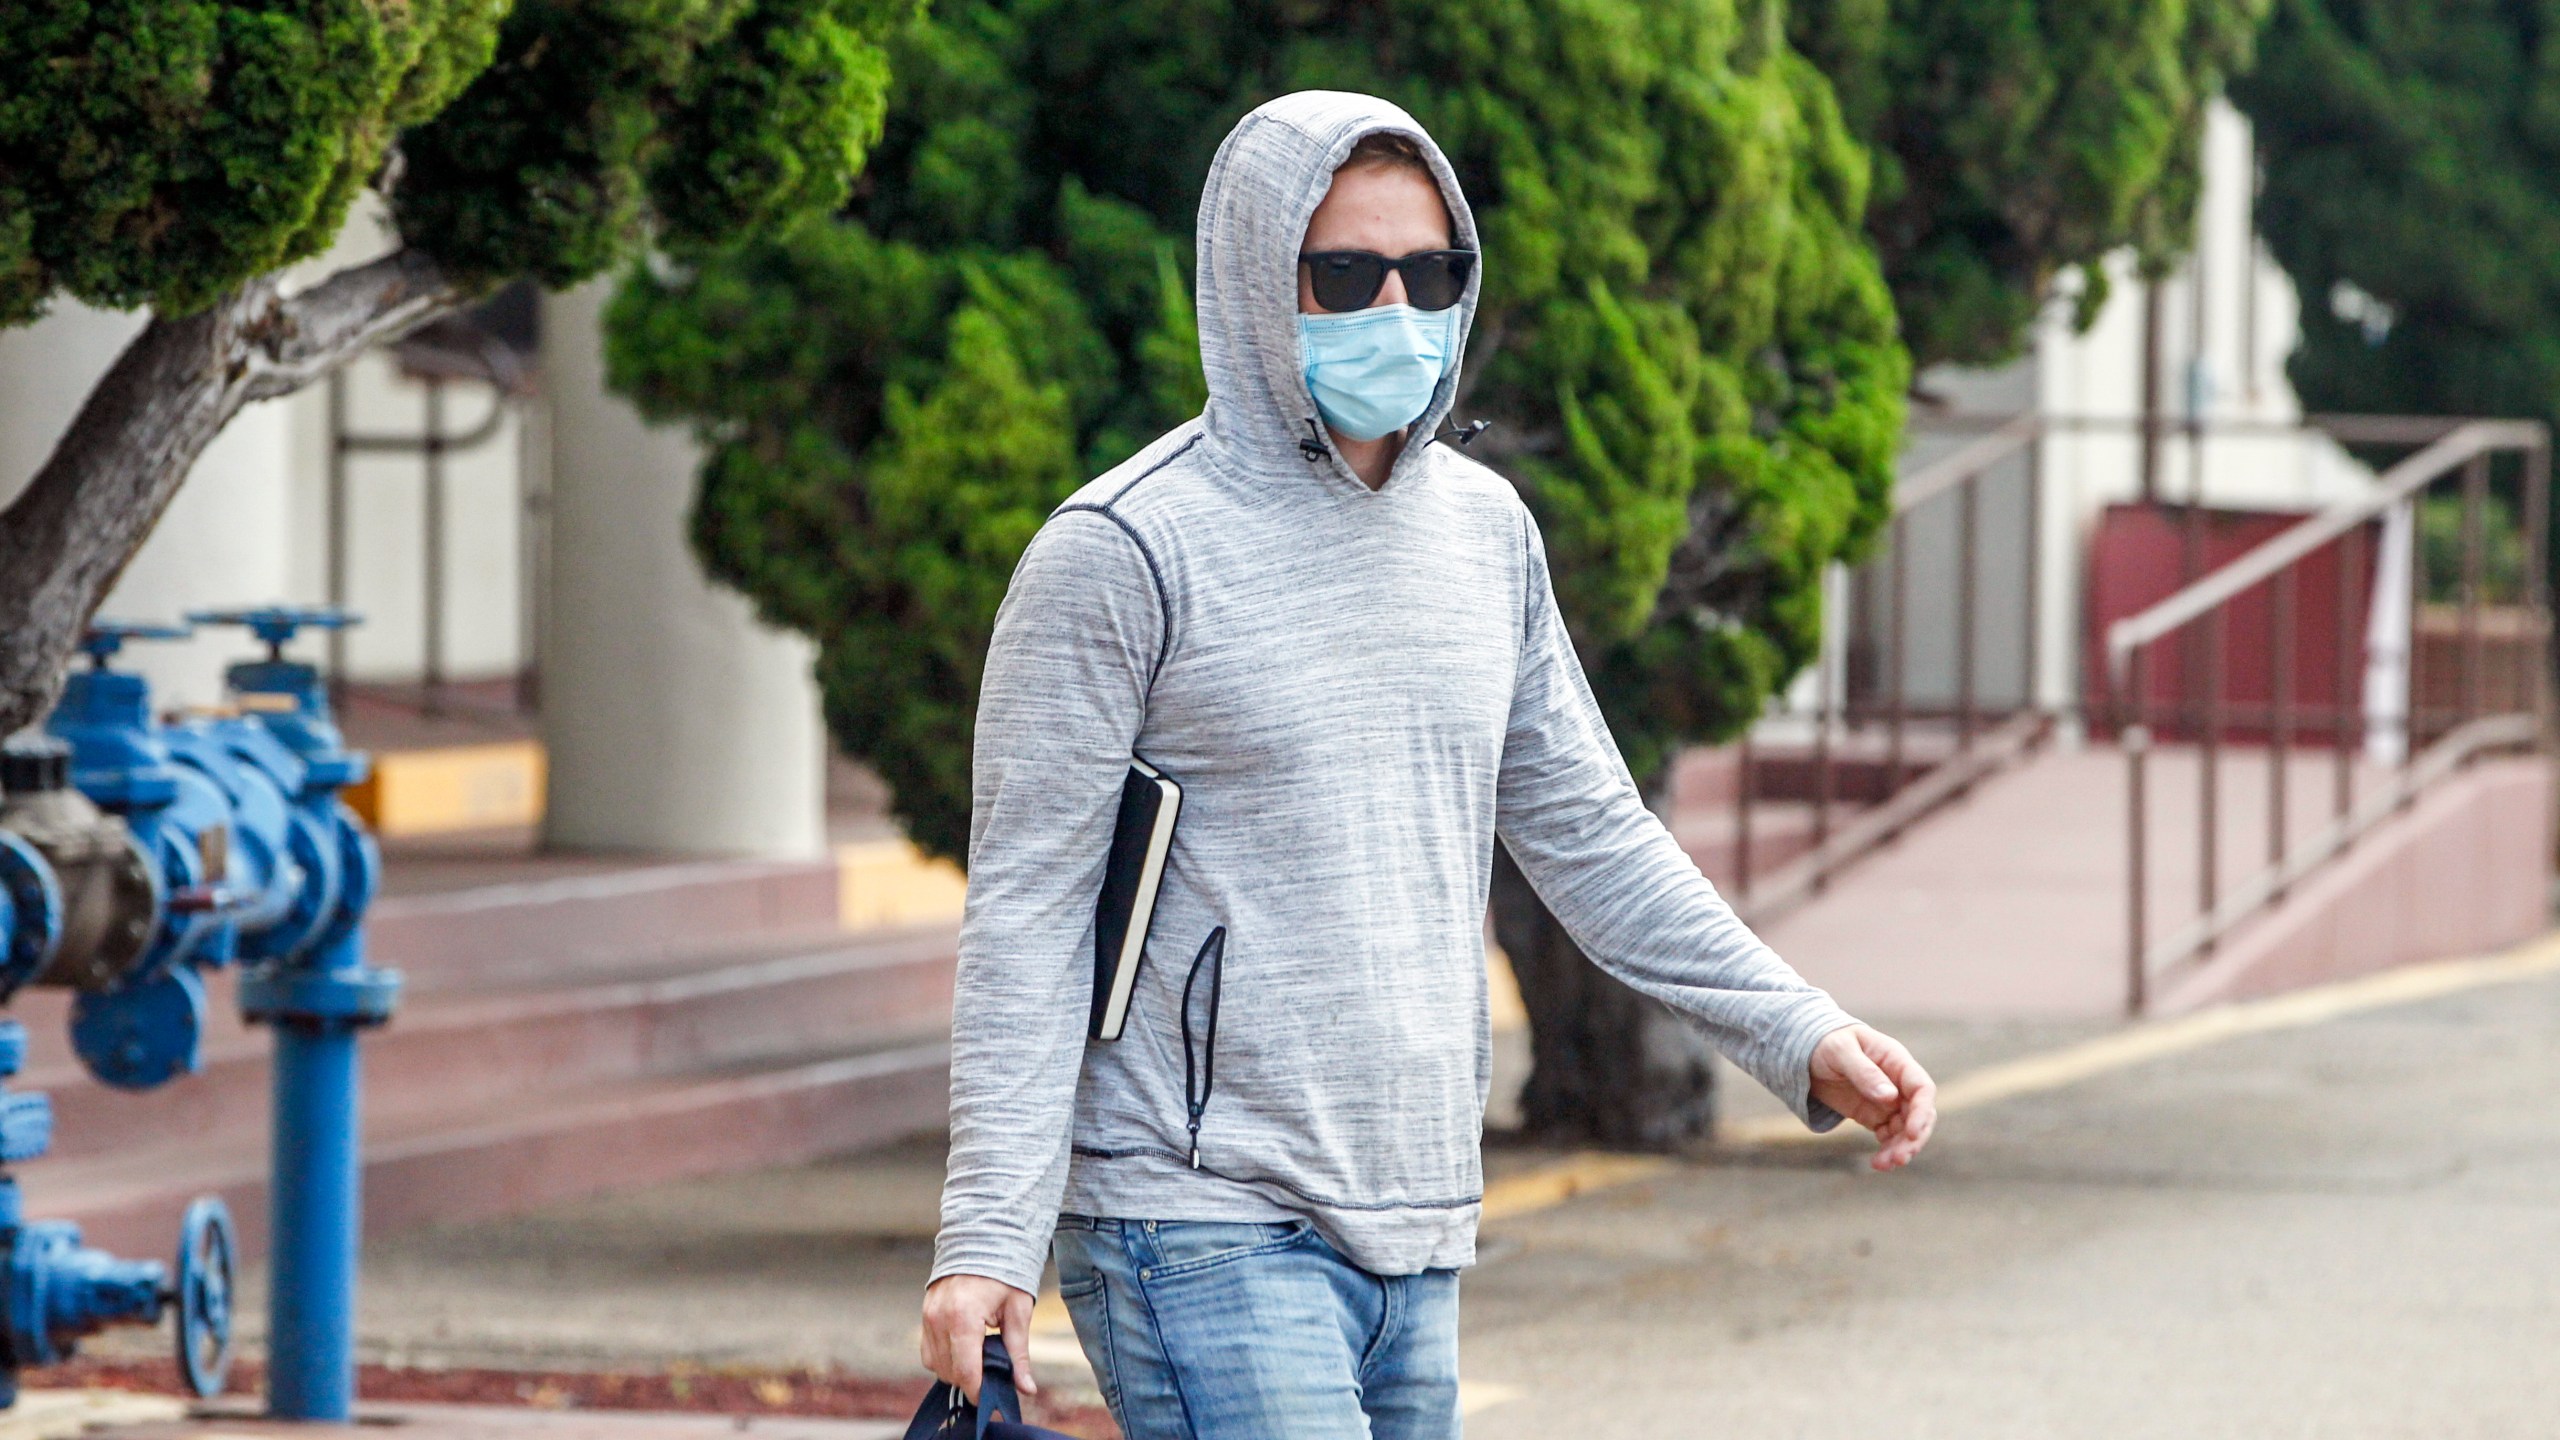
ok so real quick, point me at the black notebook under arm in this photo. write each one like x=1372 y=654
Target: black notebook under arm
x=1141 y=843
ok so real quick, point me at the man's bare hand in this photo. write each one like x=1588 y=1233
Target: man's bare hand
x=959 y=1310
x=1869 y=1077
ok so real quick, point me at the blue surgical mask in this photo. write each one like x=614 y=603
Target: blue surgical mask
x=1373 y=371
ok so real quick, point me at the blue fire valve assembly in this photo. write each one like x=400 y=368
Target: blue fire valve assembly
x=137 y=855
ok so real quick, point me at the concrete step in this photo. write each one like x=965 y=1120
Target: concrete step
x=599 y=922
x=518 y=1152
x=541 y=930
x=616 y=1025
x=454 y=1048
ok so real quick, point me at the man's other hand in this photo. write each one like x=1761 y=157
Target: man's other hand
x=959 y=1310
x=1869 y=1077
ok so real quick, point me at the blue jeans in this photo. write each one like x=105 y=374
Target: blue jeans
x=1211 y=1330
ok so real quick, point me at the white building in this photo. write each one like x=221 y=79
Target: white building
x=672 y=720
x=2216 y=333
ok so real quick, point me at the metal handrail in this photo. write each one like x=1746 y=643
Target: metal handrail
x=2346 y=429
x=1975 y=457
x=2477 y=437
x=1807 y=874
x=2469 y=447
x=433 y=444
x=2441 y=760
x=1803 y=878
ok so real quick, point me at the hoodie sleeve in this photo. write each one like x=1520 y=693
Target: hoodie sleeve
x=1570 y=814
x=1076 y=641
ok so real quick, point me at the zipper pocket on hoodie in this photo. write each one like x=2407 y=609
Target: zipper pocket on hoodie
x=1199 y=1078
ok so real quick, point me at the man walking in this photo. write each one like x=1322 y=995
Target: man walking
x=1340 y=638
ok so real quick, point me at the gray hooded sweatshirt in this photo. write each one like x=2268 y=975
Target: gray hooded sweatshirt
x=1358 y=691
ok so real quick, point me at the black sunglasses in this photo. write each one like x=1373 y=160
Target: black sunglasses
x=1351 y=279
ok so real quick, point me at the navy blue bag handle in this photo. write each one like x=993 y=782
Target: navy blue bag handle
x=947 y=1414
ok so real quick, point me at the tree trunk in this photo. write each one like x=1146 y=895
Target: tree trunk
x=1609 y=1067
x=69 y=535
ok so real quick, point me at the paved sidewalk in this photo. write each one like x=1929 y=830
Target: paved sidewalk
x=2347 y=1229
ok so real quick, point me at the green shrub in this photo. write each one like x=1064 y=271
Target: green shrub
x=1686 y=344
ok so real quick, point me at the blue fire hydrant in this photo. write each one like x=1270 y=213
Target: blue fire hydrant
x=157 y=851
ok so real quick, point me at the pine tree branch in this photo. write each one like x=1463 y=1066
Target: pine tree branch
x=71 y=532
x=302 y=338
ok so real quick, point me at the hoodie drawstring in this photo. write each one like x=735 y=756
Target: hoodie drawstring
x=1465 y=435
x=1213 y=953
x=1461 y=436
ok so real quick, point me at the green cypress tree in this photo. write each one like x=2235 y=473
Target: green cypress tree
x=1686 y=345
x=176 y=154
x=2019 y=139
x=2412 y=189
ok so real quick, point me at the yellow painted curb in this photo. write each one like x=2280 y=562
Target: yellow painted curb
x=2034 y=1074
x=891 y=882
x=1581 y=1174
x=452 y=787
x=1555 y=1183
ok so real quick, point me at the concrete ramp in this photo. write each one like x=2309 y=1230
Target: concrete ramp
x=2012 y=901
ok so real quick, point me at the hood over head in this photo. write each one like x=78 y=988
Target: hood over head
x=1270 y=174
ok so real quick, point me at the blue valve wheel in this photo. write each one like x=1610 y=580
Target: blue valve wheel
x=104 y=638
x=277 y=624
x=205 y=1255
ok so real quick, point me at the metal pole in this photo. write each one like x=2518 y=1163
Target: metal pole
x=2208 y=769
x=1823 y=705
x=2350 y=649
x=1893 y=656
x=2249 y=285
x=2137 y=745
x=1968 y=524
x=2280 y=740
x=1742 y=816
x=2537 y=582
x=533 y=470
x=314 y=1220
x=337 y=539
x=2412 y=727
x=432 y=559
x=2191 y=563
x=2475 y=671
x=2150 y=392
x=2030 y=692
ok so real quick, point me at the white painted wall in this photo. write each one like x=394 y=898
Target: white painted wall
x=675 y=721
x=2228 y=323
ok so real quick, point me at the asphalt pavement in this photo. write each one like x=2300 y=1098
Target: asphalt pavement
x=2343 y=1228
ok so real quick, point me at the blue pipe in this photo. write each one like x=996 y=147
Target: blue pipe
x=315 y=1196
x=312 y=1217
